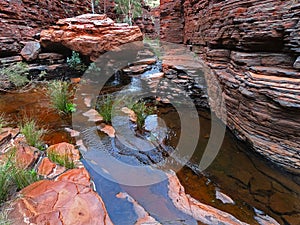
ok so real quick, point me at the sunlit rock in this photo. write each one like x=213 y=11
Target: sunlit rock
x=68 y=200
x=90 y=34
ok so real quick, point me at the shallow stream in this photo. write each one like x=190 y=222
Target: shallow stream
x=255 y=186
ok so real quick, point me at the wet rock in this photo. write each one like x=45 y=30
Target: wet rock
x=65 y=149
x=109 y=130
x=31 y=50
x=283 y=204
x=93 y=115
x=73 y=133
x=143 y=216
x=147 y=61
x=68 y=200
x=201 y=212
x=130 y=113
x=88 y=101
x=136 y=69
x=292 y=219
x=89 y=34
x=224 y=198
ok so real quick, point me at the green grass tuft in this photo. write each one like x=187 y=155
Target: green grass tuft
x=62 y=160
x=59 y=94
x=13 y=177
x=32 y=133
x=22 y=178
x=17 y=73
x=104 y=107
x=142 y=111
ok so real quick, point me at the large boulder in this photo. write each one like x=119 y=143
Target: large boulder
x=68 y=200
x=21 y=21
x=31 y=50
x=89 y=34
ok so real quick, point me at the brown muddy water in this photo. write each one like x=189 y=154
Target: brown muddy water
x=254 y=185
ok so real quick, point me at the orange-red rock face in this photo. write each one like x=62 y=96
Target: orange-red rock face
x=90 y=34
x=22 y=20
x=253 y=48
x=67 y=200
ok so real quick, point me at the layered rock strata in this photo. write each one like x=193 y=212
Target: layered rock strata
x=21 y=21
x=253 y=48
x=89 y=34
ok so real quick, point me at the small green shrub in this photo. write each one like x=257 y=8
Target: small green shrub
x=63 y=160
x=17 y=73
x=75 y=62
x=93 y=68
x=142 y=111
x=59 y=94
x=32 y=133
x=104 y=107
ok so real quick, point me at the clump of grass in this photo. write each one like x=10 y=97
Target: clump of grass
x=22 y=178
x=142 y=111
x=75 y=62
x=13 y=177
x=63 y=160
x=17 y=73
x=32 y=133
x=5 y=182
x=104 y=107
x=60 y=96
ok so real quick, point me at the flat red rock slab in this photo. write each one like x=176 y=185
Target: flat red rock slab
x=69 y=200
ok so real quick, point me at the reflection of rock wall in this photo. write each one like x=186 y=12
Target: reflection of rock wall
x=253 y=48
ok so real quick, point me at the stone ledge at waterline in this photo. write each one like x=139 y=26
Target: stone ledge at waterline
x=90 y=34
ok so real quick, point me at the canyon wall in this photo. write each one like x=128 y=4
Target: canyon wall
x=253 y=48
x=21 y=21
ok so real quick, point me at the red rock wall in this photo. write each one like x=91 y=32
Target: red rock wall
x=22 y=20
x=253 y=48
x=171 y=21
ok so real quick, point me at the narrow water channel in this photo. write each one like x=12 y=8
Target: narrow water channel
x=254 y=185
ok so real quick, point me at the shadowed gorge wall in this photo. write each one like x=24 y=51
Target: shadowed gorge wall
x=253 y=48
